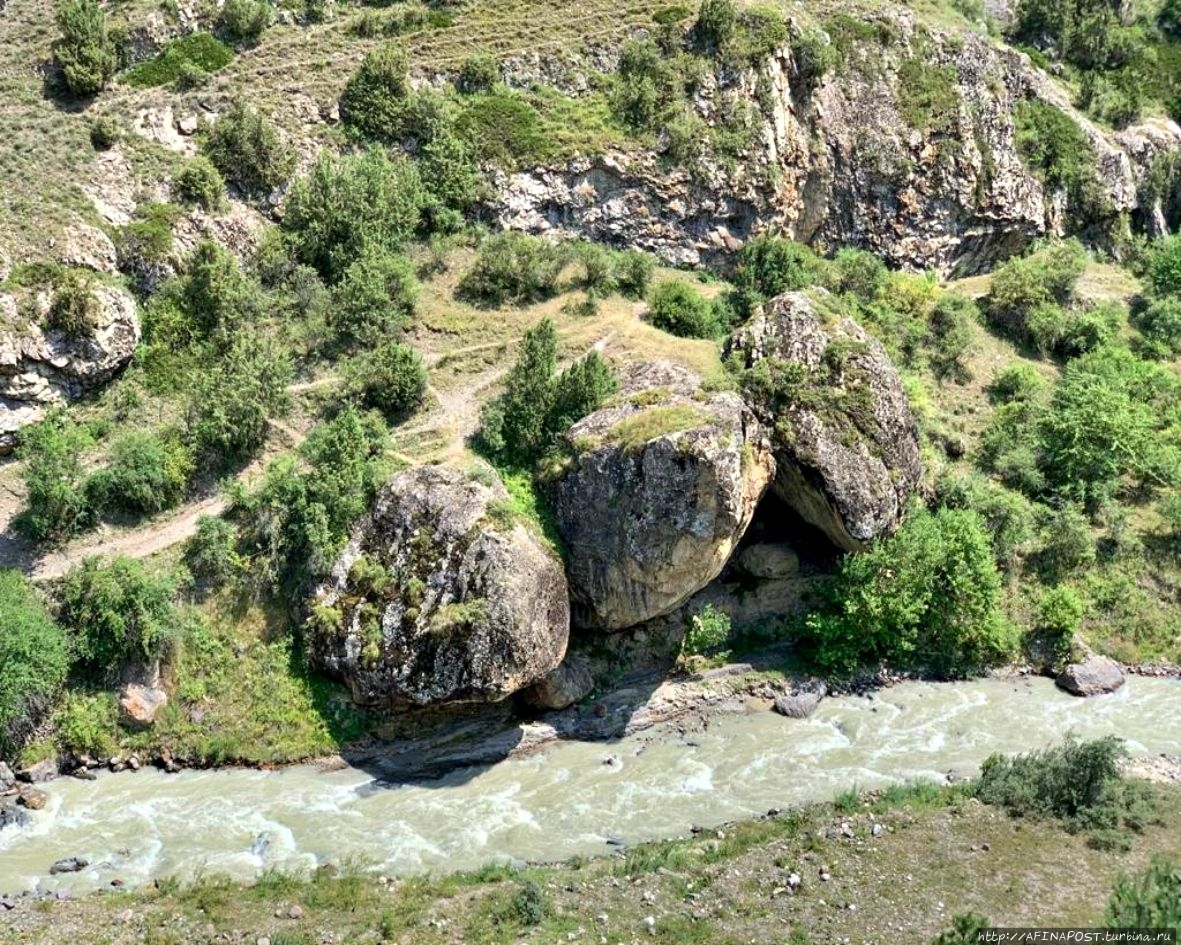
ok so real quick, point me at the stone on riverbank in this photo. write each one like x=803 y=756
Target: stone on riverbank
x=1093 y=676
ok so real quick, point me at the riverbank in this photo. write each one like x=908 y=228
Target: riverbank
x=893 y=866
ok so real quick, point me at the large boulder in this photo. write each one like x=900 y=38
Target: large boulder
x=846 y=440
x=662 y=484
x=1092 y=676
x=139 y=705
x=562 y=686
x=443 y=594
x=40 y=367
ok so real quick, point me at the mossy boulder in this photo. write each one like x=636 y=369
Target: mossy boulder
x=846 y=440
x=662 y=485
x=441 y=596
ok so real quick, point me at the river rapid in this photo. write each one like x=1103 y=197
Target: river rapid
x=573 y=798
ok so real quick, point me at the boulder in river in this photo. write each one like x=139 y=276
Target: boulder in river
x=443 y=594
x=71 y=864
x=663 y=483
x=802 y=701
x=846 y=440
x=1093 y=676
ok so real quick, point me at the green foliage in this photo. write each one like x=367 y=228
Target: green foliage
x=346 y=205
x=1054 y=147
x=679 y=309
x=35 y=657
x=537 y=406
x=928 y=95
x=147 y=238
x=1028 y=295
x=1060 y=611
x=217 y=295
x=479 y=73
x=648 y=84
x=85 y=52
x=374 y=100
x=185 y=53
x=73 y=309
x=244 y=20
x=84 y=722
x=375 y=299
x=199 y=182
x=769 y=266
x=230 y=405
x=929 y=595
x=531 y=905
x=514 y=267
x=390 y=377
x=1067 y=543
x=966 y=929
x=501 y=127
x=117 y=612
x=632 y=272
x=1018 y=383
x=145 y=474
x=949 y=335
x=1151 y=900
x=717 y=22
x=708 y=631
x=245 y=147
x=56 y=505
x=105 y=133
x=1164 y=267
x=1007 y=515
x=1160 y=326
x=211 y=555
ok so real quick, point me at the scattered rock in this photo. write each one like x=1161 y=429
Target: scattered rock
x=295 y=912
x=71 y=864
x=442 y=595
x=1093 y=676
x=7 y=778
x=139 y=705
x=663 y=484
x=89 y=248
x=769 y=562
x=32 y=798
x=187 y=125
x=802 y=701
x=44 y=770
x=568 y=683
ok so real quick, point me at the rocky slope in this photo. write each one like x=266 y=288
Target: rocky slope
x=662 y=486
x=441 y=595
x=927 y=177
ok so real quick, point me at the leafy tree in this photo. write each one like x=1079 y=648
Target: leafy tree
x=374 y=100
x=479 y=73
x=514 y=267
x=929 y=595
x=647 y=85
x=1007 y=515
x=146 y=474
x=1151 y=900
x=199 y=182
x=1160 y=324
x=346 y=205
x=1054 y=148
x=390 y=378
x=217 y=295
x=56 y=505
x=1164 y=267
x=211 y=555
x=244 y=20
x=633 y=272
x=769 y=266
x=450 y=175
x=35 y=656
x=231 y=403
x=579 y=390
x=375 y=300
x=679 y=309
x=86 y=51
x=117 y=612
x=245 y=147
x=73 y=309
x=949 y=335
x=717 y=22
x=1046 y=277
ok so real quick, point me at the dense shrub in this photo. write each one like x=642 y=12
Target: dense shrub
x=1007 y=515
x=1044 y=279
x=105 y=133
x=211 y=555
x=244 y=20
x=647 y=85
x=1153 y=899
x=930 y=595
x=56 y=505
x=632 y=272
x=1160 y=325
x=245 y=147
x=708 y=631
x=949 y=335
x=217 y=295
x=230 y=405
x=374 y=100
x=717 y=22
x=350 y=204
x=1164 y=267
x=1018 y=383
x=1067 y=542
x=678 y=308
x=146 y=473
x=73 y=309
x=117 y=612
x=375 y=299
x=503 y=128
x=186 y=61
x=35 y=657
x=85 y=52
x=1074 y=331
x=199 y=182
x=479 y=73
x=514 y=267
x=1054 y=148
x=391 y=378
x=769 y=266
x=537 y=406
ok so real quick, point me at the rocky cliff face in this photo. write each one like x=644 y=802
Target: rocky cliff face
x=442 y=596
x=846 y=440
x=663 y=484
x=932 y=181
x=40 y=368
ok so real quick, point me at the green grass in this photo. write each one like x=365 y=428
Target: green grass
x=633 y=432
x=202 y=50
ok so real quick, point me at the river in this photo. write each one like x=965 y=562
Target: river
x=574 y=798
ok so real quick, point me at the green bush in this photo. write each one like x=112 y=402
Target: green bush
x=85 y=52
x=391 y=378
x=184 y=54
x=965 y=929
x=148 y=238
x=244 y=20
x=717 y=23
x=374 y=100
x=1053 y=147
x=211 y=555
x=633 y=273
x=199 y=182
x=230 y=404
x=679 y=309
x=1018 y=383
x=350 y=204
x=56 y=506
x=1160 y=325
x=647 y=84
x=35 y=656
x=145 y=474
x=514 y=267
x=73 y=309
x=1071 y=332
x=375 y=299
x=709 y=631
x=1151 y=900
x=502 y=128
x=930 y=596
x=1060 y=612
x=1045 y=278
x=769 y=266
x=949 y=335
x=117 y=613
x=1164 y=267
x=479 y=73
x=105 y=133
x=217 y=295
x=1067 y=542
x=245 y=147
x=190 y=76
x=531 y=905
x=1007 y=515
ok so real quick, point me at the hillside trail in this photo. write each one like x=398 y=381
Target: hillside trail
x=454 y=416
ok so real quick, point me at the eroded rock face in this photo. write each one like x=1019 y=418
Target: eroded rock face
x=562 y=686
x=848 y=161
x=664 y=482
x=40 y=368
x=847 y=453
x=442 y=595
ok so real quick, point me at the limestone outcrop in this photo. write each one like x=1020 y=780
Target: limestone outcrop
x=846 y=443
x=442 y=595
x=662 y=486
